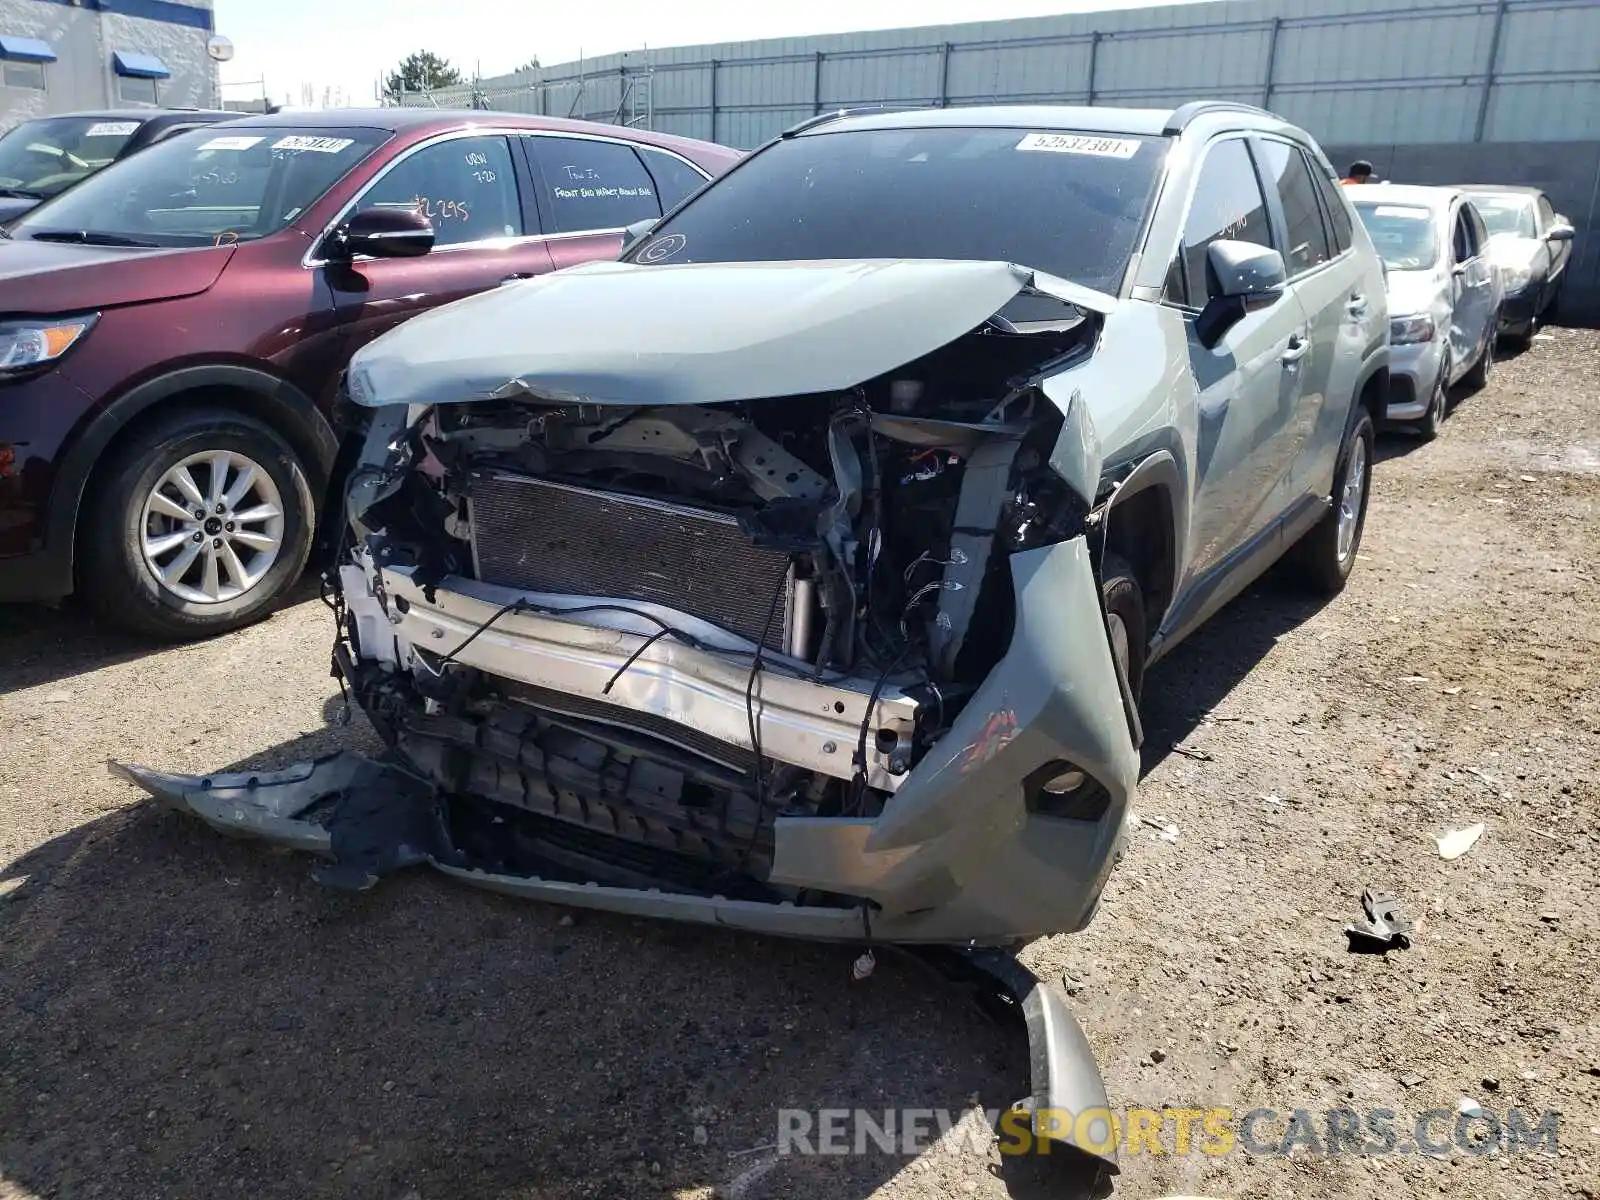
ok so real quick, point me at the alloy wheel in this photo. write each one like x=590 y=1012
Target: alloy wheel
x=212 y=527
x=1350 y=497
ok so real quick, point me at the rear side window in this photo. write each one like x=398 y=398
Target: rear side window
x=1333 y=206
x=1466 y=241
x=674 y=178
x=592 y=185
x=1227 y=205
x=1306 y=241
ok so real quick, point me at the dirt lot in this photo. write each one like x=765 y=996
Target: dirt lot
x=185 y=1016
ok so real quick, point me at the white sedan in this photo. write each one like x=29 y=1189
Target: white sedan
x=1444 y=295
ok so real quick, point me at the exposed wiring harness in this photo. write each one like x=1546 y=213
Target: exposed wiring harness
x=755 y=724
x=859 y=781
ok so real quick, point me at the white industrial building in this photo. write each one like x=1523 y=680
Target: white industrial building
x=66 y=55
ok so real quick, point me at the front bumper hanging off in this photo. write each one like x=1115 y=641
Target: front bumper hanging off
x=367 y=818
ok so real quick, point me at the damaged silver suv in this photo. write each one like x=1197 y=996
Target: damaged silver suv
x=800 y=571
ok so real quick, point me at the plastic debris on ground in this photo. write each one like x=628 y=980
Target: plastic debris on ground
x=1387 y=926
x=1457 y=842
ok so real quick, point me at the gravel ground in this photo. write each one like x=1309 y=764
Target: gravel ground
x=181 y=1015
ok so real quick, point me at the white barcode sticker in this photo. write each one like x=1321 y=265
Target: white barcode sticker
x=1080 y=143
x=112 y=129
x=1395 y=210
x=322 y=145
x=234 y=142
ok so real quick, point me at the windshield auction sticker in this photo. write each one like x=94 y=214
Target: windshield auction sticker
x=231 y=143
x=112 y=129
x=1077 y=143
x=321 y=145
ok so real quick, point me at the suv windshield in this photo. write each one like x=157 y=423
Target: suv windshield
x=1066 y=203
x=204 y=188
x=1505 y=214
x=1402 y=234
x=39 y=159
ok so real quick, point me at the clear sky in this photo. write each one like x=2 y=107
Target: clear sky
x=308 y=48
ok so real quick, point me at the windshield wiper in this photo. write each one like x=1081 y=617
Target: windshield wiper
x=87 y=237
x=20 y=194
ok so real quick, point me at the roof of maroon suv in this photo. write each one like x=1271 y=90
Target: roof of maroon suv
x=426 y=121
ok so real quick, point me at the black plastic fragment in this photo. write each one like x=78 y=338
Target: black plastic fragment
x=386 y=819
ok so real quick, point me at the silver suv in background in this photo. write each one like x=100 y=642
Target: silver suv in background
x=1531 y=244
x=799 y=572
x=1444 y=296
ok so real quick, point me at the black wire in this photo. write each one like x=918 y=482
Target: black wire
x=860 y=763
x=755 y=725
x=633 y=658
x=517 y=605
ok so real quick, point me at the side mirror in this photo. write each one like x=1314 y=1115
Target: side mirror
x=382 y=233
x=1244 y=279
x=632 y=234
x=1561 y=231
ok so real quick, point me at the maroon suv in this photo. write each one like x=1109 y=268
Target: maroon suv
x=173 y=330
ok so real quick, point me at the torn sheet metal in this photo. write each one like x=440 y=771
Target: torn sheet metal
x=717 y=332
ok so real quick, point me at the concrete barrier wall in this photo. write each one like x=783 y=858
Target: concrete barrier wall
x=1568 y=172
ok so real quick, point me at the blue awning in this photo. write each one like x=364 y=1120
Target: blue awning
x=139 y=66
x=21 y=49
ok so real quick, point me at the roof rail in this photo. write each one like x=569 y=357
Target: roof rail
x=834 y=114
x=1181 y=116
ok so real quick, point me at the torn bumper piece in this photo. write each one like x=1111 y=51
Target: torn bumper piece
x=369 y=818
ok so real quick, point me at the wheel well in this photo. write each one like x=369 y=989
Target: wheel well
x=237 y=399
x=1375 y=395
x=1139 y=530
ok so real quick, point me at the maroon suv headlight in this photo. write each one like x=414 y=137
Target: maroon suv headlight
x=27 y=344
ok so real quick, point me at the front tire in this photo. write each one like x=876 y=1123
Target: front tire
x=1125 y=619
x=1327 y=553
x=1438 y=403
x=197 y=525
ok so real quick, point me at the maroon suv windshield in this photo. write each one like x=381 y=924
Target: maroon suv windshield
x=221 y=184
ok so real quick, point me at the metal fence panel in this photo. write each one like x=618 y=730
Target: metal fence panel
x=1409 y=71
x=1430 y=87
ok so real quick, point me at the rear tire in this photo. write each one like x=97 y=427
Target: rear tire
x=133 y=534
x=1326 y=555
x=1478 y=377
x=1125 y=620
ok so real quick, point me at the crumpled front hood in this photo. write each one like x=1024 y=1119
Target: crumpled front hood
x=55 y=277
x=1412 y=292
x=700 y=333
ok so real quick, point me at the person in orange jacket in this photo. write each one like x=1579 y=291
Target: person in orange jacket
x=1360 y=172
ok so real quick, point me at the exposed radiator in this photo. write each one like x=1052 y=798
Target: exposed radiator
x=540 y=536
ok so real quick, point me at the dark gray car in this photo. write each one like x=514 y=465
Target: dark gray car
x=46 y=156
x=1531 y=245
